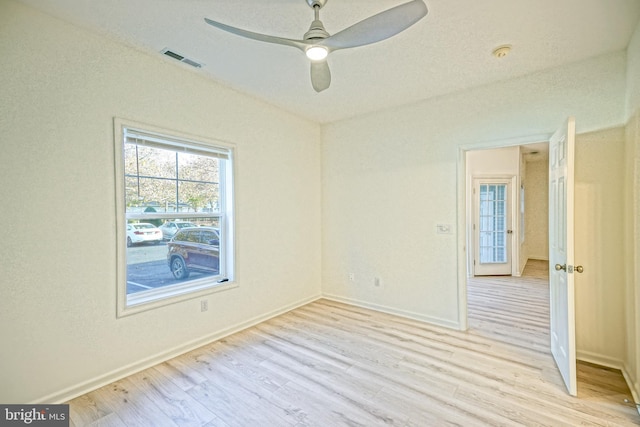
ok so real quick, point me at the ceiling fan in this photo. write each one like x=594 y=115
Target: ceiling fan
x=317 y=43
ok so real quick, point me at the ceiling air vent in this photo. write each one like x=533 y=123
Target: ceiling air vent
x=181 y=58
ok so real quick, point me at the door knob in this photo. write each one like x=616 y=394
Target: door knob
x=579 y=268
x=561 y=267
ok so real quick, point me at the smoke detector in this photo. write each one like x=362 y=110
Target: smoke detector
x=502 y=51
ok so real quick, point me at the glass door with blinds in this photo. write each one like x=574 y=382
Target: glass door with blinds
x=492 y=227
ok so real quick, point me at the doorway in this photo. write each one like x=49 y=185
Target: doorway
x=506 y=161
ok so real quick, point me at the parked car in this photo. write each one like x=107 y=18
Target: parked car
x=170 y=228
x=143 y=232
x=194 y=249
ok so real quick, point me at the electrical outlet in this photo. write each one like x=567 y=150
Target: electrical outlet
x=204 y=305
x=352 y=277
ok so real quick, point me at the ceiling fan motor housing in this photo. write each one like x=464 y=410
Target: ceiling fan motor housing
x=316 y=31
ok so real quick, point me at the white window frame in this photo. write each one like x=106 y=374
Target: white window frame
x=162 y=296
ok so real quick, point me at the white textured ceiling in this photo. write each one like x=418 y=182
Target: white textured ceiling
x=449 y=50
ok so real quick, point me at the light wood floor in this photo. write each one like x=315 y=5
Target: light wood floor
x=330 y=364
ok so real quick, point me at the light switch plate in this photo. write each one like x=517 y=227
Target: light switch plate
x=444 y=229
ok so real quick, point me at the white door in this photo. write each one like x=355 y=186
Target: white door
x=492 y=226
x=561 y=277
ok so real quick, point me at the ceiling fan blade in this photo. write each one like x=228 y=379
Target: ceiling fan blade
x=300 y=44
x=320 y=75
x=378 y=27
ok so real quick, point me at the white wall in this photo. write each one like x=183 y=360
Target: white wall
x=599 y=237
x=632 y=252
x=498 y=161
x=633 y=71
x=632 y=216
x=390 y=177
x=61 y=88
x=537 y=209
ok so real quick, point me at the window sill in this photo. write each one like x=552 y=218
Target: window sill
x=155 y=298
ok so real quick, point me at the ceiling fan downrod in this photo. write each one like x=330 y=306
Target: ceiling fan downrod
x=316 y=30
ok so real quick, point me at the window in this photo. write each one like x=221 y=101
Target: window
x=493 y=223
x=175 y=217
x=522 y=214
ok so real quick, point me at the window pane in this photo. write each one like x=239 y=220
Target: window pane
x=131 y=192
x=130 y=160
x=492 y=223
x=148 y=261
x=198 y=168
x=154 y=162
x=162 y=181
x=199 y=197
x=153 y=177
x=158 y=194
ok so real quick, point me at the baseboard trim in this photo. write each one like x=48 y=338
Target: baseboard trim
x=102 y=380
x=634 y=386
x=598 y=359
x=390 y=310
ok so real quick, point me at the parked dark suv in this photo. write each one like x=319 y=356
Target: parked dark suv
x=194 y=249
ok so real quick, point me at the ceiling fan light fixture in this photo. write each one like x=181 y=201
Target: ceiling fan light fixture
x=317 y=53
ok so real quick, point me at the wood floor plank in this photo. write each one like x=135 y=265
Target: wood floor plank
x=183 y=378
x=132 y=406
x=110 y=420
x=87 y=410
x=172 y=400
x=235 y=404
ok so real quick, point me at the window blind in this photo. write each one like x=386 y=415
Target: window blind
x=148 y=139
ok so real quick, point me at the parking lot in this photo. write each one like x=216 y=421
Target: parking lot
x=147 y=268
